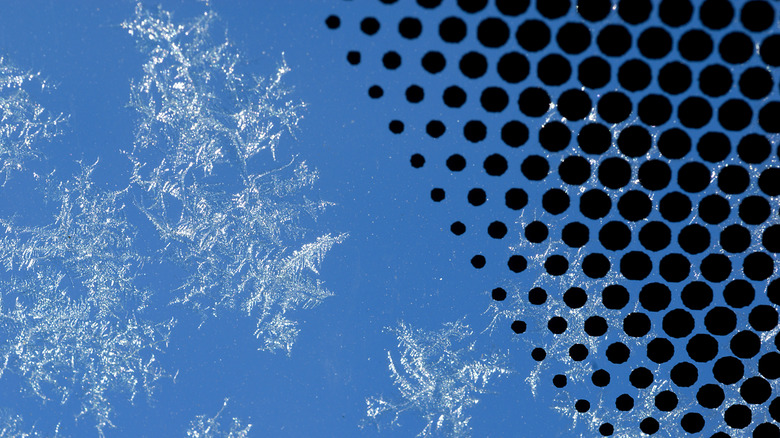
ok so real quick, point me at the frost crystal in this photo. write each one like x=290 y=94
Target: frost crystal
x=23 y=123
x=209 y=427
x=437 y=378
x=199 y=118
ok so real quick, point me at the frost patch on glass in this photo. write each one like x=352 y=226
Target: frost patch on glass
x=439 y=375
x=242 y=238
x=12 y=426
x=24 y=124
x=209 y=427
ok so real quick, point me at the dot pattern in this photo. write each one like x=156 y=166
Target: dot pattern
x=640 y=137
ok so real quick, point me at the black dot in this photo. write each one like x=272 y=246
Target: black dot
x=774 y=409
x=678 y=323
x=476 y=197
x=535 y=167
x=494 y=99
x=456 y=163
x=574 y=104
x=695 y=44
x=606 y=429
x=634 y=205
x=768 y=116
x=375 y=92
x=472 y=6
x=353 y=57
x=694 y=239
x=538 y=354
x=636 y=325
x=654 y=43
x=512 y=8
x=694 y=112
x=739 y=293
x=754 y=210
x=666 y=401
x=369 y=25
x=582 y=406
x=574 y=170
x=497 y=230
x=634 y=141
x=534 y=102
x=745 y=344
x=635 y=265
x=473 y=65
x=720 y=321
x=675 y=13
x=754 y=148
x=575 y=234
x=452 y=30
x=573 y=38
x=417 y=161
x=654 y=110
x=641 y=378
x=654 y=175
x=559 y=381
x=410 y=28
x=575 y=297
x=454 y=97
x=715 y=80
x=553 y=8
x=474 y=131
x=736 y=48
x=735 y=115
x=684 y=374
x=537 y=296
x=595 y=326
x=634 y=75
x=594 y=72
x=517 y=263
x=757 y=15
x=655 y=296
x=696 y=295
x=429 y=4
x=738 y=416
x=755 y=390
x=495 y=165
x=478 y=261
x=435 y=128
x=769 y=181
x=536 y=232
x=518 y=327
x=578 y=352
x=693 y=177
x=555 y=201
x=716 y=14
x=714 y=209
x=692 y=422
x=557 y=325
x=615 y=236
x=437 y=195
x=713 y=147
x=594 y=138
x=391 y=60
x=600 y=378
x=660 y=350
x=763 y=318
x=516 y=198
x=614 y=40
x=433 y=62
x=553 y=69
x=333 y=22
x=514 y=133
x=770 y=239
x=769 y=365
x=710 y=396
x=594 y=10
x=595 y=204
x=702 y=347
x=675 y=207
x=624 y=403
x=728 y=370
x=513 y=67
x=458 y=228
x=415 y=94
x=634 y=11
x=396 y=126
x=493 y=32
x=595 y=265
x=618 y=353
x=755 y=83
x=533 y=35
x=733 y=179
x=554 y=136
x=614 y=107
x=770 y=50
x=556 y=265
x=675 y=77
x=614 y=297
x=674 y=267
x=715 y=267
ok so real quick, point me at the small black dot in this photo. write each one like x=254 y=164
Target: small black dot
x=557 y=325
x=714 y=209
x=458 y=228
x=574 y=104
x=595 y=326
x=369 y=25
x=674 y=267
x=498 y=294
x=517 y=263
x=606 y=429
x=417 y=161
x=720 y=321
x=478 y=261
x=654 y=110
x=456 y=163
x=353 y=57
x=694 y=239
x=375 y=92
x=333 y=22
x=635 y=265
x=518 y=327
x=437 y=195
x=433 y=62
x=702 y=347
x=733 y=179
x=618 y=353
x=574 y=170
x=710 y=396
x=435 y=128
x=693 y=177
x=391 y=60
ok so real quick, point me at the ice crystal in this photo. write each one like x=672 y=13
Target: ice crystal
x=439 y=375
x=24 y=124
x=199 y=117
x=12 y=426
x=209 y=427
